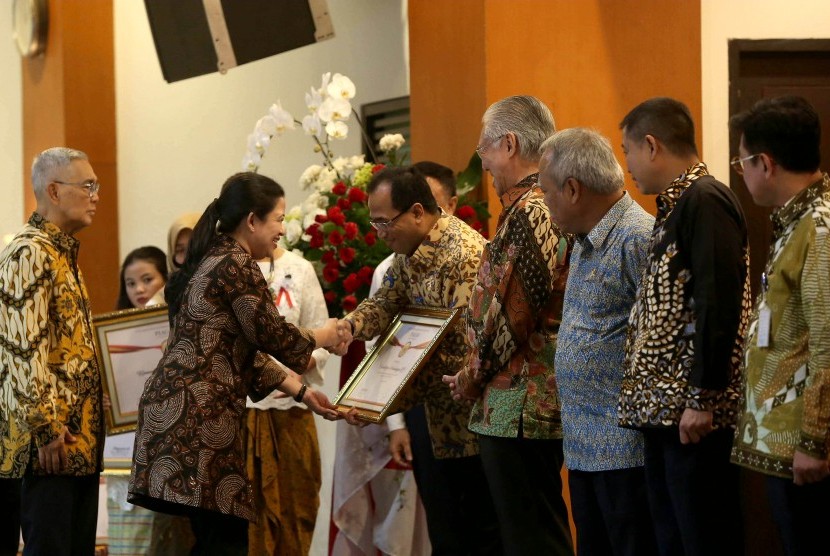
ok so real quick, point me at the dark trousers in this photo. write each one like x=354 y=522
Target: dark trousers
x=693 y=494
x=523 y=475
x=802 y=514
x=610 y=510
x=218 y=534
x=59 y=515
x=461 y=518
x=9 y=516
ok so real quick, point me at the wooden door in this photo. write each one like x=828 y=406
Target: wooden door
x=764 y=69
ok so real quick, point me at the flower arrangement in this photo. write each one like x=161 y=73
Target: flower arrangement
x=331 y=226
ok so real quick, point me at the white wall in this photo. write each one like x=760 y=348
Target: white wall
x=744 y=19
x=178 y=142
x=11 y=138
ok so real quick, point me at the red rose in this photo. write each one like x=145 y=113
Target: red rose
x=351 y=283
x=344 y=204
x=365 y=274
x=336 y=215
x=349 y=303
x=331 y=273
x=328 y=257
x=351 y=230
x=357 y=195
x=321 y=218
x=370 y=239
x=313 y=229
x=330 y=296
x=346 y=254
x=335 y=238
x=465 y=212
x=476 y=225
x=316 y=241
x=377 y=168
x=339 y=188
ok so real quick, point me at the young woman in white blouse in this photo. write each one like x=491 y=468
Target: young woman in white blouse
x=283 y=455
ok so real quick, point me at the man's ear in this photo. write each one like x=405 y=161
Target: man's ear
x=52 y=192
x=573 y=189
x=512 y=143
x=452 y=204
x=418 y=211
x=769 y=165
x=653 y=145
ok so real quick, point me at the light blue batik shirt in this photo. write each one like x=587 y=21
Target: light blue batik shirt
x=605 y=270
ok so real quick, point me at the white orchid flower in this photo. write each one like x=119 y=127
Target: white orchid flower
x=313 y=99
x=250 y=162
x=334 y=109
x=337 y=130
x=282 y=118
x=324 y=83
x=341 y=87
x=357 y=161
x=312 y=125
x=258 y=142
x=391 y=142
x=266 y=125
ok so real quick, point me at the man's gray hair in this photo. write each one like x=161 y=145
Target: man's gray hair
x=524 y=115
x=45 y=164
x=585 y=155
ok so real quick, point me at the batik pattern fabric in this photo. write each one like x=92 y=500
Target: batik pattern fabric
x=513 y=319
x=48 y=369
x=687 y=328
x=440 y=273
x=283 y=455
x=606 y=266
x=189 y=450
x=787 y=382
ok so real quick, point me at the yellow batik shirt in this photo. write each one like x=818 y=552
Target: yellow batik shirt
x=440 y=273
x=48 y=372
x=787 y=382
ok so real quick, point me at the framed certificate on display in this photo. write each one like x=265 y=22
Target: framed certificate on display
x=401 y=351
x=129 y=346
x=118 y=453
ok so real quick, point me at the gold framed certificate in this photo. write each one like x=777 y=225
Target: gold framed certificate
x=387 y=370
x=129 y=345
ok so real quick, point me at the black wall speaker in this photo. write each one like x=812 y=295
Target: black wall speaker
x=197 y=37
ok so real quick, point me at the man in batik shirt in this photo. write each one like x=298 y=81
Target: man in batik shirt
x=584 y=190
x=436 y=259
x=784 y=432
x=682 y=368
x=51 y=428
x=513 y=318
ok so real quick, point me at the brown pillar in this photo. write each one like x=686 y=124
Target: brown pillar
x=591 y=61
x=69 y=100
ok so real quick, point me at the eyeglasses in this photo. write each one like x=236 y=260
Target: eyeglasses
x=91 y=187
x=384 y=225
x=481 y=149
x=738 y=163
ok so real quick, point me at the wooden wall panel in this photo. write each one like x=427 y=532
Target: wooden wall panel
x=591 y=61
x=69 y=100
